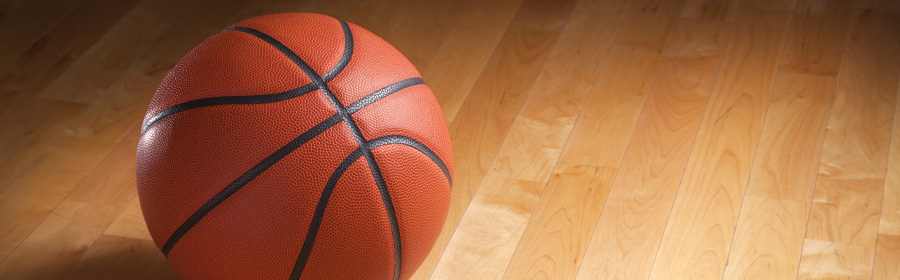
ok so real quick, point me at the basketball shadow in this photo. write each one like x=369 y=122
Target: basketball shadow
x=116 y=257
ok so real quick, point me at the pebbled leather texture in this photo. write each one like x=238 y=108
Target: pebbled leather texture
x=233 y=190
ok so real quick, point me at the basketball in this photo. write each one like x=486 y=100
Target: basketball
x=294 y=146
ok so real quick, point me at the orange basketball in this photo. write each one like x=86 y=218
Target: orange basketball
x=294 y=146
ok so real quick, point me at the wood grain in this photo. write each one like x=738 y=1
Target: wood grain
x=831 y=260
x=700 y=227
x=95 y=132
x=887 y=258
x=887 y=251
x=32 y=20
x=553 y=244
x=616 y=102
x=791 y=139
x=100 y=197
x=718 y=10
x=631 y=225
x=817 y=37
x=769 y=236
x=774 y=212
x=561 y=87
x=33 y=195
x=526 y=46
x=29 y=133
x=65 y=230
x=773 y=13
x=381 y=17
x=462 y=56
x=851 y=174
x=56 y=50
x=424 y=29
x=487 y=235
x=36 y=123
x=538 y=135
x=542 y=126
x=848 y=195
x=768 y=239
x=158 y=268
x=890 y=205
x=114 y=257
x=496 y=98
x=341 y=9
x=130 y=223
x=110 y=56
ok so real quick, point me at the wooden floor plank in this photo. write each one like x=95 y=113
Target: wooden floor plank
x=890 y=205
x=103 y=124
x=496 y=98
x=106 y=190
x=856 y=146
x=717 y=10
x=772 y=222
x=32 y=20
x=615 y=101
x=33 y=195
x=84 y=82
x=524 y=48
x=887 y=258
x=553 y=244
x=817 y=37
x=830 y=260
x=459 y=61
x=112 y=181
x=158 y=269
x=768 y=240
x=64 y=228
x=540 y=132
x=340 y=9
x=487 y=235
x=424 y=29
x=130 y=223
x=542 y=126
x=110 y=56
x=29 y=132
x=381 y=17
x=700 y=227
x=791 y=139
x=29 y=73
x=114 y=257
x=773 y=13
x=851 y=177
x=633 y=219
x=887 y=251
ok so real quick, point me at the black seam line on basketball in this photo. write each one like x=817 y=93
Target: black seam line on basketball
x=319 y=213
x=315 y=131
x=257 y=99
x=382 y=93
x=399 y=139
x=246 y=178
x=354 y=129
x=229 y=100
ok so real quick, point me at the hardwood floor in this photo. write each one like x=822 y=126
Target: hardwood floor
x=593 y=139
